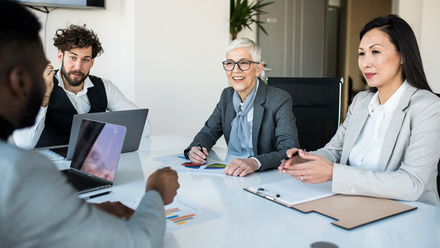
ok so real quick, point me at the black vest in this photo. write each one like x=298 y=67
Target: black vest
x=60 y=112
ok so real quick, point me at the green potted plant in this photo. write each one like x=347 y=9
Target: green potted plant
x=243 y=14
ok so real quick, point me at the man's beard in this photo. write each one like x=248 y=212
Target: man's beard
x=33 y=106
x=71 y=82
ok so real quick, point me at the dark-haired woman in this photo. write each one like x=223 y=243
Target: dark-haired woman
x=388 y=146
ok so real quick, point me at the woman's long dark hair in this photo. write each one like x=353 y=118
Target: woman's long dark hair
x=403 y=38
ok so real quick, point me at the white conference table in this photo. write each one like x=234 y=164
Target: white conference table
x=250 y=221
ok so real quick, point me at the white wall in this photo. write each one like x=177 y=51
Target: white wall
x=164 y=55
x=423 y=17
x=109 y=25
x=178 y=72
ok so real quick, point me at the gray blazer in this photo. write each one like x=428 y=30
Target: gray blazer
x=411 y=151
x=273 y=127
x=38 y=208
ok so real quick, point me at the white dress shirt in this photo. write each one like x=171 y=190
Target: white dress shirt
x=366 y=152
x=28 y=137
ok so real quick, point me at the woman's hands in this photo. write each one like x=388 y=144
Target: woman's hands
x=308 y=168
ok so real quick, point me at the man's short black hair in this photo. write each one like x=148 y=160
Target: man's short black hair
x=17 y=24
x=18 y=29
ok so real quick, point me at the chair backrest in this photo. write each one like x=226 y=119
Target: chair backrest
x=438 y=167
x=438 y=177
x=316 y=106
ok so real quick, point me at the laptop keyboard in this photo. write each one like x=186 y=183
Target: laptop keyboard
x=81 y=182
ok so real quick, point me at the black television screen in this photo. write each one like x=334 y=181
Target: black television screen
x=77 y=4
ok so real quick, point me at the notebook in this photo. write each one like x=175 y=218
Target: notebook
x=134 y=120
x=96 y=155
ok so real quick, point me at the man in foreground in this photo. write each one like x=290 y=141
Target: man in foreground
x=37 y=206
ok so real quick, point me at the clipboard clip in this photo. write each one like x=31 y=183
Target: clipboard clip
x=267 y=194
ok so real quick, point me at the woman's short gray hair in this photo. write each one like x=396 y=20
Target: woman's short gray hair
x=251 y=46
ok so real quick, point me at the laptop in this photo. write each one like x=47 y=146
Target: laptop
x=96 y=155
x=133 y=119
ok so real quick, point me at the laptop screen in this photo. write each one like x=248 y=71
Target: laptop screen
x=98 y=148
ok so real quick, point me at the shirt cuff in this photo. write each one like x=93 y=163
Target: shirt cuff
x=259 y=164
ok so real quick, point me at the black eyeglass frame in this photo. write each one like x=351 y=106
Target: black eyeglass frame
x=236 y=63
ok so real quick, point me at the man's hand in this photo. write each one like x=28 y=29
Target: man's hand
x=115 y=208
x=165 y=182
x=48 y=79
x=241 y=167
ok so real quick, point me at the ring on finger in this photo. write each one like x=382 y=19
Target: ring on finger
x=302 y=178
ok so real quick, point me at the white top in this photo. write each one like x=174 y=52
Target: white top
x=366 y=152
x=28 y=137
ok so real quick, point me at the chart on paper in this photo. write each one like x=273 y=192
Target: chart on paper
x=213 y=166
x=182 y=213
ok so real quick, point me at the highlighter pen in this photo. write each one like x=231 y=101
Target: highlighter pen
x=97 y=195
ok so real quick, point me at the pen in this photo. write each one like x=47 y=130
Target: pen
x=287 y=158
x=94 y=196
x=200 y=148
x=274 y=194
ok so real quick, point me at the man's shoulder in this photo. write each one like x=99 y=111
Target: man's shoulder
x=12 y=157
x=96 y=79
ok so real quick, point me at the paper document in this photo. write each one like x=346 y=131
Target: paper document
x=291 y=191
x=182 y=213
x=214 y=164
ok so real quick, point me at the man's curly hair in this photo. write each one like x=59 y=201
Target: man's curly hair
x=77 y=37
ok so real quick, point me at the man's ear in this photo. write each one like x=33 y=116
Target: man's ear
x=19 y=82
x=60 y=56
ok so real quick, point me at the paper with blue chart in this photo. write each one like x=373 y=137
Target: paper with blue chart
x=215 y=163
x=182 y=213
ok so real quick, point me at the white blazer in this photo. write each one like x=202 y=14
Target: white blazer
x=411 y=150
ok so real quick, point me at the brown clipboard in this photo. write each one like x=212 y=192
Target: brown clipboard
x=349 y=211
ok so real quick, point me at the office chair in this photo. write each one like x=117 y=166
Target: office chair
x=438 y=167
x=438 y=178
x=316 y=106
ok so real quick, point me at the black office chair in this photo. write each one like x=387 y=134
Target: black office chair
x=316 y=106
x=438 y=177
x=438 y=167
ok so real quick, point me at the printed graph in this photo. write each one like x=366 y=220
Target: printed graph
x=182 y=213
x=173 y=215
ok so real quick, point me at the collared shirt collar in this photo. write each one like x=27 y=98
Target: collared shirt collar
x=87 y=84
x=391 y=104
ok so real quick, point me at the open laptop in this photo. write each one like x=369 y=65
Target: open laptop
x=133 y=119
x=96 y=155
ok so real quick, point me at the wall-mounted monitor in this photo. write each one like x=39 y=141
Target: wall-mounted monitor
x=76 y=4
